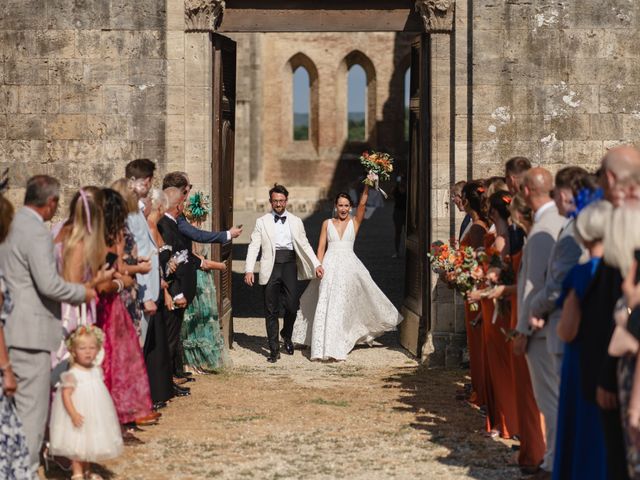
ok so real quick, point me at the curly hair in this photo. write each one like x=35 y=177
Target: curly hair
x=474 y=193
x=115 y=216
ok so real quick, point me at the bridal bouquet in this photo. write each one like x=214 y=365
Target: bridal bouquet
x=378 y=166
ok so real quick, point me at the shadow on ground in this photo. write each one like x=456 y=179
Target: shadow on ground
x=451 y=423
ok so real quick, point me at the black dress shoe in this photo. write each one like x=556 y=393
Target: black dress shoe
x=159 y=405
x=288 y=346
x=274 y=357
x=180 y=392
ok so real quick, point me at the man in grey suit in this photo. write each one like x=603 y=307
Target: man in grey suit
x=33 y=328
x=565 y=255
x=536 y=188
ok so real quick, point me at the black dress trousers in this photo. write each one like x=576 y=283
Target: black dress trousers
x=282 y=285
x=156 y=356
x=173 y=319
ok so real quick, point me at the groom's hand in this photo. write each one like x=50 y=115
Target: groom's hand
x=248 y=278
x=319 y=271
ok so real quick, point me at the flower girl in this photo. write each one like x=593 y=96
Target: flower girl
x=84 y=426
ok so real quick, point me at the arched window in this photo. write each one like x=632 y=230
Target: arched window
x=301 y=104
x=356 y=100
x=357 y=104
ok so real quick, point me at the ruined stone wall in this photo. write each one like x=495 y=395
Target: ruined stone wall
x=316 y=168
x=82 y=88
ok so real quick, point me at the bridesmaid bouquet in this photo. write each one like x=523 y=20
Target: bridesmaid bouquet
x=378 y=166
x=496 y=272
x=458 y=267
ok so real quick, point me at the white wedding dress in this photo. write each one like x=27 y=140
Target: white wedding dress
x=346 y=307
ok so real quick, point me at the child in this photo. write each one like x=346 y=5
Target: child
x=84 y=426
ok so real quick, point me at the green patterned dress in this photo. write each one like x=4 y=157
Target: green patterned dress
x=204 y=348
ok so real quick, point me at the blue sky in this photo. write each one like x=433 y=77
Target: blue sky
x=356 y=84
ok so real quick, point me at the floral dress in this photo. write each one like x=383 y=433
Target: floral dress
x=14 y=455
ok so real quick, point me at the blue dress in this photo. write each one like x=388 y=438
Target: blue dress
x=580 y=448
x=14 y=455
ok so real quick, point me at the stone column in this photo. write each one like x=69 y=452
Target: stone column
x=447 y=336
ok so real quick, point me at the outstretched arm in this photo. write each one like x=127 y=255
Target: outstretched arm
x=322 y=243
x=362 y=206
x=202 y=236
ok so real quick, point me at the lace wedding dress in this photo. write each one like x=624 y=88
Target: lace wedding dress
x=346 y=307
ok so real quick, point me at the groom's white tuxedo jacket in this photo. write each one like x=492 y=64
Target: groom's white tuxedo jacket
x=264 y=237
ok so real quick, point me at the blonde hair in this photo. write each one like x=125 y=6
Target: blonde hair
x=124 y=187
x=591 y=224
x=520 y=209
x=622 y=237
x=158 y=199
x=87 y=231
x=84 y=331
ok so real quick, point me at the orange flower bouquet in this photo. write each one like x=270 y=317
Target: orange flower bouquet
x=378 y=166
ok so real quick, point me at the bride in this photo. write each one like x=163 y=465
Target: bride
x=346 y=307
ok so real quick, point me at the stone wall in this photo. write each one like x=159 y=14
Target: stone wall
x=82 y=88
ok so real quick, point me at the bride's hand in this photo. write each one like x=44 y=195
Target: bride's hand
x=319 y=272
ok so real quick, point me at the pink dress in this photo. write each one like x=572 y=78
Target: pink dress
x=125 y=373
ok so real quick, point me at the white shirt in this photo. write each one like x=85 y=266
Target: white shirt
x=38 y=216
x=541 y=210
x=284 y=240
x=166 y=214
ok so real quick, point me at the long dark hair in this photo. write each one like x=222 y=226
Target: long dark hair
x=500 y=202
x=343 y=195
x=115 y=216
x=474 y=193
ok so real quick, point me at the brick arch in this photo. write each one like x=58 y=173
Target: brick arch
x=300 y=60
x=356 y=57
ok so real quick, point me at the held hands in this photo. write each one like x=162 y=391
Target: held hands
x=536 y=323
x=180 y=302
x=520 y=344
x=319 y=272
x=248 y=278
x=150 y=307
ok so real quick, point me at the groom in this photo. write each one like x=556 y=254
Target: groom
x=286 y=255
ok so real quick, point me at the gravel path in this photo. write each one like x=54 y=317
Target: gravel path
x=376 y=415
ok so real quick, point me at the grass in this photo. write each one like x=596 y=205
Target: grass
x=322 y=401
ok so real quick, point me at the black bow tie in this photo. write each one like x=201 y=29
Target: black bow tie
x=277 y=218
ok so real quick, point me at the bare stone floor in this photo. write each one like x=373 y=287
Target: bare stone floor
x=376 y=415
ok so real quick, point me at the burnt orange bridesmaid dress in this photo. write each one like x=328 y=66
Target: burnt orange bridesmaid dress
x=475 y=343
x=532 y=446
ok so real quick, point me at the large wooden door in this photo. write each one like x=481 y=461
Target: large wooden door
x=417 y=305
x=222 y=161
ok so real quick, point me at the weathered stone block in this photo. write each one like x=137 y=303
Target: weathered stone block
x=606 y=126
x=17 y=44
x=67 y=127
x=19 y=15
x=55 y=43
x=22 y=151
x=148 y=99
x=81 y=98
x=72 y=14
x=175 y=127
x=583 y=152
x=118 y=98
x=140 y=15
x=38 y=99
x=26 y=71
x=25 y=127
x=74 y=151
x=88 y=44
x=108 y=127
x=113 y=71
x=8 y=99
x=3 y=126
x=122 y=151
x=175 y=45
x=175 y=72
x=175 y=100
x=148 y=71
x=69 y=71
x=148 y=127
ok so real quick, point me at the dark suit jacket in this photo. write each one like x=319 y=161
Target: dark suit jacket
x=184 y=279
x=200 y=236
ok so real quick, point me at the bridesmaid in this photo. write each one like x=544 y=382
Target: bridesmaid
x=472 y=200
x=501 y=407
x=532 y=444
